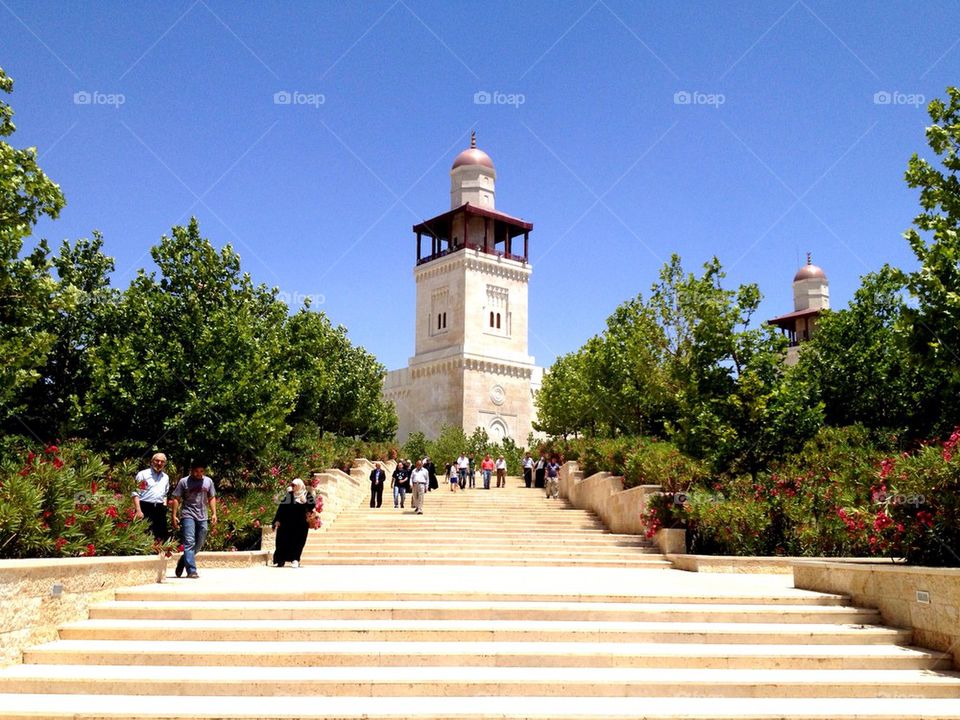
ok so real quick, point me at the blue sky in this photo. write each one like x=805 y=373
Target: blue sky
x=784 y=147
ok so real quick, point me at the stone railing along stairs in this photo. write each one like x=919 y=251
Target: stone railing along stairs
x=496 y=603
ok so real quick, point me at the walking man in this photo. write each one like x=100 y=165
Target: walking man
x=463 y=466
x=528 y=470
x=501 y=471
x=378 y=479
x=150 y=497
x=486 y=467
x=553 y=479
x=197 y=492
x=419 y=479
x=401 y=482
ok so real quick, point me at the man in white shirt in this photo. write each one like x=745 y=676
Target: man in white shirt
x=501 y=466
x=419 y=479
x=150 y=496
x=463 y=467
x=528 y=470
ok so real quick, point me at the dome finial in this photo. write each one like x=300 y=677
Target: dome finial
x=473 y=138
x=809 y=259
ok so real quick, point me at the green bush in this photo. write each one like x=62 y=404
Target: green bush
x=661 y=463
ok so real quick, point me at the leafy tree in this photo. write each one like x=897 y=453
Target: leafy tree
x=194 y=361
x=935 y=321
x=738 y=406
x=27 y=292
x=565 y=403
x=860 y=364
x=54 y=404
x=340 y=385
x=415 y=447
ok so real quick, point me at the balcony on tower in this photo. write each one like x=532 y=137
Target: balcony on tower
x=469 y=227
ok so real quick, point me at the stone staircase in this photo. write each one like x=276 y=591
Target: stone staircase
x=493 y=604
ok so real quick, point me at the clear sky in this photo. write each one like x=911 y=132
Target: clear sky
x=624 y=131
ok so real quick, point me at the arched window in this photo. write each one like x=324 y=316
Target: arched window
x=444 y=321
x=439 y=319
x=498 y=321
x=491 y=318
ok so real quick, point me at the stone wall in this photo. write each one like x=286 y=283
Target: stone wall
x=603 y=494
x=892 y=589
x=38 y=596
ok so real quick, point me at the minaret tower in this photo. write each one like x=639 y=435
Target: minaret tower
x=471 y=365
x=811 y=296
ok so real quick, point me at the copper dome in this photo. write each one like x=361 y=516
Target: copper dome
x=472 y=156
x=810 y=272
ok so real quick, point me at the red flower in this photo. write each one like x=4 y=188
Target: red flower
x=256 y=523
x=143 y=484
x=93 y=488
x=91 y=550
x=886 y=467
x=60 y=542
x=111 y=511
x=70 y=520
x=52 y=450
x=57 y=463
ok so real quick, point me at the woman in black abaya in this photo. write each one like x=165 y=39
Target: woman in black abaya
x=290 y=522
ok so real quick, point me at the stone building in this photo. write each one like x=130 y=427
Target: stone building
x=471 y=366
x=811 y=295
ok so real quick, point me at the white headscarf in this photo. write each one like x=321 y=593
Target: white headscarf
x=299 y=491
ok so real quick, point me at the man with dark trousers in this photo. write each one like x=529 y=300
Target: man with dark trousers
x=377 y=480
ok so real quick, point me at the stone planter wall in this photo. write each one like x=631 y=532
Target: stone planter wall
x=892 y=589
x=603 y=494
x=38 y=596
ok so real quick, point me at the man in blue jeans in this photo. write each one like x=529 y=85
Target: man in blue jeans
x=197 y=492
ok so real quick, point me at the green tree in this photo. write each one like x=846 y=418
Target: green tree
x=194 y=362
x=739 y=407
x=340 y=385
x=935 y=320
x=53 y=405
x=27 y=292
x=859 y=360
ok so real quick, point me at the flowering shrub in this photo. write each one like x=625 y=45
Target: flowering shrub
x=841 y=495
x=62 y=502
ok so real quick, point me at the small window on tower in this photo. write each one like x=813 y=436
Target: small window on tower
x=439 y=322
x=491 y=318
x=498 y=321
x=444 y=321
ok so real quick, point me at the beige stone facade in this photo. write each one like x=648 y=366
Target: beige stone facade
x=471 y=365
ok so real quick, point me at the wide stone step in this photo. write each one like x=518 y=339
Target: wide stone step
x=483 y=630
x=181 y=592
x=419 y=559
x=484 y=654
x=544 y=707
x=476 y=610
x=413 y=537
x=476 y=551
x=173 y=680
